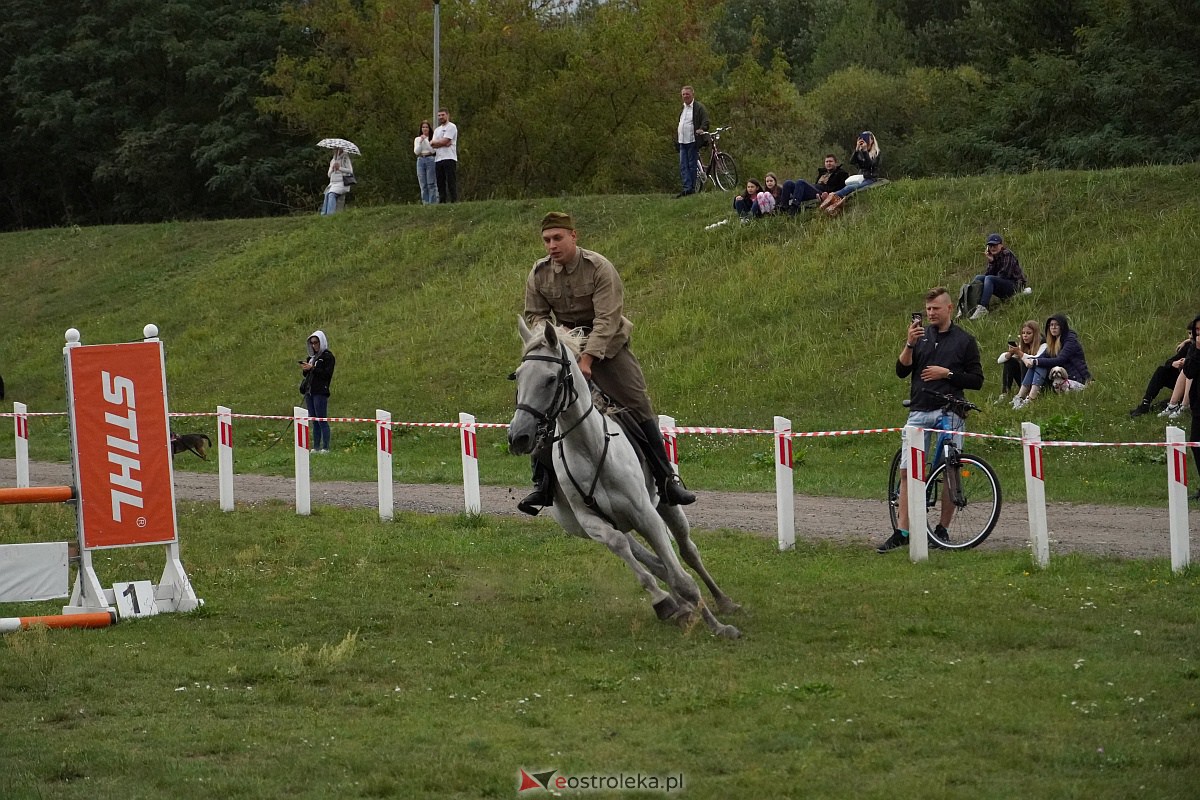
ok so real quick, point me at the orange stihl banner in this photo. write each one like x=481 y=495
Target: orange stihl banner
x=118 y=406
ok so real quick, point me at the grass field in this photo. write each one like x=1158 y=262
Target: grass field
x=433 y=657
x=801 y=318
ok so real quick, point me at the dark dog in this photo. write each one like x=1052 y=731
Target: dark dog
x=198 y=443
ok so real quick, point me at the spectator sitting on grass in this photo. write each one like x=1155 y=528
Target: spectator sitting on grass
x=830 y=178
x=1062 y=350
x=754 y=202
x=1016 y=375
x=1166 y=376
x=867 y=158
x=1003 y=278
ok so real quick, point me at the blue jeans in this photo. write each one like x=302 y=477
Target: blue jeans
x=1035 y=376
x=797 y=192
x=994 y=284
x=330 y=206
x=318 y=406
x=943 y=420
x=689 y=154
x=427 y=179
x=849 y=190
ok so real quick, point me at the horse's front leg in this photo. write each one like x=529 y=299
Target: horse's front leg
x=616 y=541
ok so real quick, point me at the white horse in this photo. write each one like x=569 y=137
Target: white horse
x=602 y=491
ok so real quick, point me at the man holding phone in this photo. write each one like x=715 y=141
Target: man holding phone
x=941 y=358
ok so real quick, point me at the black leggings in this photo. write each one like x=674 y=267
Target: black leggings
x=1014 y=373
x=1163 y=378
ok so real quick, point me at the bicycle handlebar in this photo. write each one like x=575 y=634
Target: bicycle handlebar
x=957 y=405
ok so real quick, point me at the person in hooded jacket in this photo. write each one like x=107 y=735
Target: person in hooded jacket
x=318 y=372
x=1062 y=350
x=1191 y=371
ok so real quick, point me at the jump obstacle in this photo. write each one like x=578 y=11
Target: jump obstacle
x=124 y=492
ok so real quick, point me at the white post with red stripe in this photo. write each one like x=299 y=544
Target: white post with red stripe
x=383 y=460
x=785 y=501
x=1035 y=492
x=470 y=463
x=918 y=531
x=303 y=443
x=225 y=457
x=670 y=440
x=1177 y=502
x=21 y=423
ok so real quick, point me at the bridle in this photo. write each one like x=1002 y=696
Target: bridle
x=565 y=396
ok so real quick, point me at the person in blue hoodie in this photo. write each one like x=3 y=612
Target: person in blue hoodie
x=318 y=373
x=1063 y=351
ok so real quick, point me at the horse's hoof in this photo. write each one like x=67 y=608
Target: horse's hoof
x=727 y=606
x=685 y=612
x=666 y=608
x=729 y=632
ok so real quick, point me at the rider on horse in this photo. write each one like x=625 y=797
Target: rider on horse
x=577 y=288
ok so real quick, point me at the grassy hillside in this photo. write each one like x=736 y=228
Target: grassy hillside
x=801 y=317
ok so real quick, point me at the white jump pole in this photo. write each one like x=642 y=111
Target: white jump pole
x=383 y=461
x=1177 y=484
x=225 y=457
x=1035 y=493
x=918 y=533
x=470 y=463
x=670 y=440
x=785 y=498
x=303 y=443
x=21 y=439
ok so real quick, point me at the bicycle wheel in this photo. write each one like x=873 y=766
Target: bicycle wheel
x=894 y=490
x=975 y=491
x=701 y=181
x=725 y=172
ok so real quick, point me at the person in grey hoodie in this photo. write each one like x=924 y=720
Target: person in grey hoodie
x=318 y=372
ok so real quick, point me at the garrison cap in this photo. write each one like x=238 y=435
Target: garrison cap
x=558 y=219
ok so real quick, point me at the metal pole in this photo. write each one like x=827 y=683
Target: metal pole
x=437 y=54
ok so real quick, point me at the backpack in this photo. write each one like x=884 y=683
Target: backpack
x=969 y=297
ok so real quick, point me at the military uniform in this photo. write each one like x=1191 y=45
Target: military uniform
x=588 y=294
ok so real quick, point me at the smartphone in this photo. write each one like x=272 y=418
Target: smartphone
x=1012 y=342
x=917 y=316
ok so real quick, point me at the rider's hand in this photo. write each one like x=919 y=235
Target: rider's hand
x=585 y=365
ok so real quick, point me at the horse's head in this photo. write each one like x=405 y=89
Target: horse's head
x=545 y=385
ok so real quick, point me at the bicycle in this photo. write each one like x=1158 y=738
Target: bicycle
x=721 y=169
x=964 y=479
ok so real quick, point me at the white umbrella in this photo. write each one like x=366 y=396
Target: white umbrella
x=343 y=144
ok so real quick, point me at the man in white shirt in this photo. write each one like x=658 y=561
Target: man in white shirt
x=693 y=127
x=445 y=157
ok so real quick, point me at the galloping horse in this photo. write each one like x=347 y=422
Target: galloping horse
x=602 y=492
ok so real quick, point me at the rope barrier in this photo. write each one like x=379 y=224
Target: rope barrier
x=701 y=430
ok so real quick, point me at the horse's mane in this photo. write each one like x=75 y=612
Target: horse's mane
x=574 y=340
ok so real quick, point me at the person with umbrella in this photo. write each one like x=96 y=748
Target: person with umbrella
x=340 y=172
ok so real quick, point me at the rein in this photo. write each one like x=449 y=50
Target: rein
x=565 y=396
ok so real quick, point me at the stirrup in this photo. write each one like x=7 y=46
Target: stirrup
x=674 y=493
x=535 y=502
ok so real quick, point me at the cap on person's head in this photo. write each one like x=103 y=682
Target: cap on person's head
x=866 y=135
x=558 y=219
x=994 y=239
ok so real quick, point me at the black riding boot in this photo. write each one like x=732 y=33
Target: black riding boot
x=670 y=487
x=543 y=489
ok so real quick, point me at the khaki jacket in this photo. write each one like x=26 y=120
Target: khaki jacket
x=586 y=293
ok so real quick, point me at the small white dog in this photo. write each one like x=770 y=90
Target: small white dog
x=1061 y=383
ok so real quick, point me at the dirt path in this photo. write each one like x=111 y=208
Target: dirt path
x=1135 y=532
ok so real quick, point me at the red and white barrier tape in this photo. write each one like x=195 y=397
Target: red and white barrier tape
x=703 y=431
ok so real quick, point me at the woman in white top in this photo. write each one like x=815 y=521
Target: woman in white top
x=335 y=192
x=426 y=169
x=1030 y=379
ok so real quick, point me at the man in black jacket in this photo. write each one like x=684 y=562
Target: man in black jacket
x=690 y=134
x=830 y=178
x=943 y=359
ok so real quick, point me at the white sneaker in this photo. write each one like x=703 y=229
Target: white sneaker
x=1171 y=411
x=1019 y=403
x=1179 y=411
x=979 y=312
